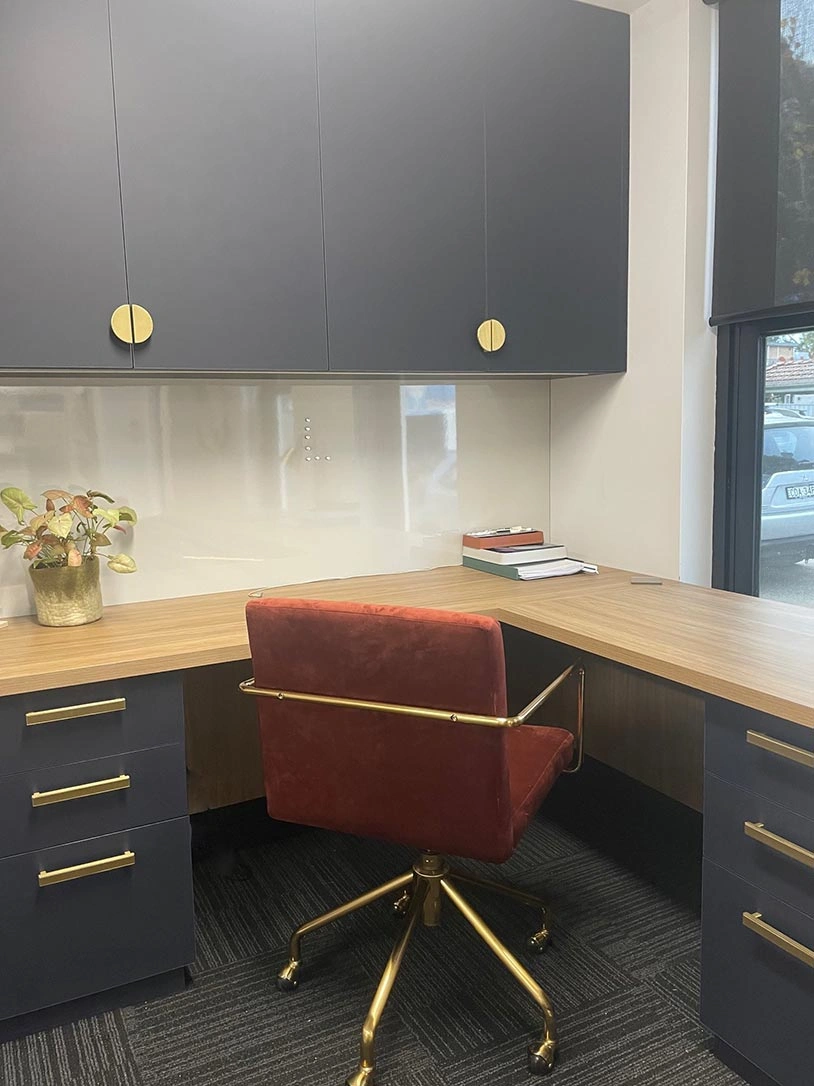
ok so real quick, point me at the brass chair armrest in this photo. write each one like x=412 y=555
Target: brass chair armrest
x=248 y=687
x=579 y=730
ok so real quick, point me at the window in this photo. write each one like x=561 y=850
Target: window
x=764 y=518
x=786 y=569
x=763 y=301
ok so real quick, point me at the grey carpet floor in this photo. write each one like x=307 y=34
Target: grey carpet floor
x=623 y=972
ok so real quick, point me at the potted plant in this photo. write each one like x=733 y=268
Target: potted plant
x=62 y=544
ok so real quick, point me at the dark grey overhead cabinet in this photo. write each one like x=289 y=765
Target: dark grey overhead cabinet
x=401 y=115
x=292 y=186
x=61 y=257
x=216 y=105
x=557 y=108
x=475 y=166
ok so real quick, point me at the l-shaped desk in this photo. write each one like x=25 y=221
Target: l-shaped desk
x=103 y=726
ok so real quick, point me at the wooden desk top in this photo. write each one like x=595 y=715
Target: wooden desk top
x=755 y=652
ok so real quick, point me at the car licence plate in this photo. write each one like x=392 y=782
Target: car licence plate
x=806 y=491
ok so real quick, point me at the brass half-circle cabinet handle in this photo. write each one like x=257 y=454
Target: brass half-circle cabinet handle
x=131 y=324
x=491 y=335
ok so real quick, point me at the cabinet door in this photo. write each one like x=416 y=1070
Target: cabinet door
x=557 y=105
x=401 y=115
x=216 y=105
x=61 y=258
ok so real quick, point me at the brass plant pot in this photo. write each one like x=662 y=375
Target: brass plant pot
x=68 y=595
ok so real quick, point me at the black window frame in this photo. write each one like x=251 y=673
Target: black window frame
x=739 y=408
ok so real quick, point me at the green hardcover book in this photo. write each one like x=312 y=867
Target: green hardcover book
x=490 y=567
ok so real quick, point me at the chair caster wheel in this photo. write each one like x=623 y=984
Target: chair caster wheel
x=287 y=979
x=400 y=907
x=538 y=942
x=542 y=1057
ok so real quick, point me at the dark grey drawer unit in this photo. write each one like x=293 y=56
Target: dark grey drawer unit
x=44 y=807
x=757 y=969
x=762 y=842
x=54 y=727
x=757 y=991
x=762 y=753
x=95 y=864
x=65 y=939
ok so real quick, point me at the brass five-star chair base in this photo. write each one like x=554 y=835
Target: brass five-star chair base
x=422 y=890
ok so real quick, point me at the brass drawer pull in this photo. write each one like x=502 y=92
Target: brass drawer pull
x=758 y=832
x=755 y=922
x=81 y=871
x=785 y=750
x=71 y=712
x=79 y=791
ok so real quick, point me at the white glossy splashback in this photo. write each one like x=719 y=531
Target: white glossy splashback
x=220 y=475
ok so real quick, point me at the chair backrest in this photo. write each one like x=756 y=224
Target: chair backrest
x=435 y=785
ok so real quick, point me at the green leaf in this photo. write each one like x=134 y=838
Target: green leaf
x=60 y=526
x=8 y=539
x=128 y=514
x=121 y=563
x=100 y=540
x=17 y=501
x=99 y=494
x=110 y=515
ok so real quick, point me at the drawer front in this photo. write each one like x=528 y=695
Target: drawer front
x=733 y=752
x=755 y=996
x=51 y=806
x=78 y=937
x=92 y=721
x=764 y=843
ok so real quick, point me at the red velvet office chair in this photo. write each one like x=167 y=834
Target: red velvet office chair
x=390 y=722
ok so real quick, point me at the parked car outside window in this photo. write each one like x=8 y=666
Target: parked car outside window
x=787 y=500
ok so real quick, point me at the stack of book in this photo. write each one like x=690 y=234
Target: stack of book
x=520 y=554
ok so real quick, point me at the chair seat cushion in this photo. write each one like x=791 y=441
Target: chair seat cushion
x=536 y=758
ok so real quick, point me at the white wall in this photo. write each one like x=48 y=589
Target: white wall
x=218 y=472
x=631 y=456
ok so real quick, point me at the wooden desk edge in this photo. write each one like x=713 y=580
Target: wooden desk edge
x=128 y=669
x=231 y=642
x=677 y=673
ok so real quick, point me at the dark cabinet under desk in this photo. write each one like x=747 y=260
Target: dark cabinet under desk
x=103 y=928
x=95 y=862
x=757 y=963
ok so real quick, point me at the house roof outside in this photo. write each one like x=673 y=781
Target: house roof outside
x=790 y=375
